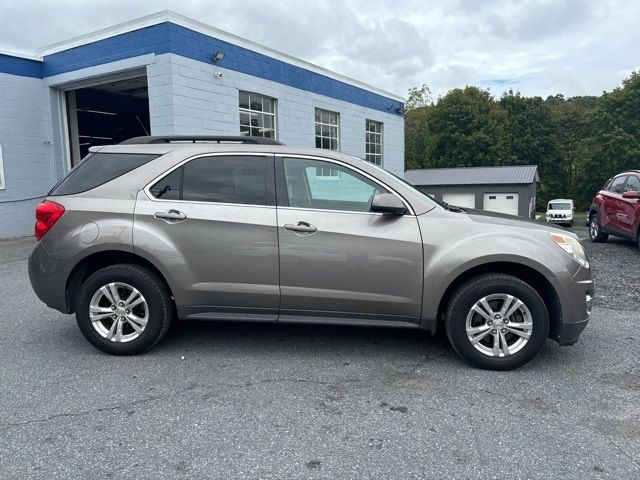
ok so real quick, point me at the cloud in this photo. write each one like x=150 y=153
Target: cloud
x=540 y=47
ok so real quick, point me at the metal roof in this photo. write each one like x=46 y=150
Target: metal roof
x=512 y=175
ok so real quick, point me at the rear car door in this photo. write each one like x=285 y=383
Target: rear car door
x=210 y=224
x=339 y=261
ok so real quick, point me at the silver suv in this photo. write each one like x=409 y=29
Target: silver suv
x=241 y=228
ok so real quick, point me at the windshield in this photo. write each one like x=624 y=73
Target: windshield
x=560 y=206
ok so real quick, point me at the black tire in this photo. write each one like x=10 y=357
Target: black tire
x=479 y=287
x=161 y=309
x=595 y=230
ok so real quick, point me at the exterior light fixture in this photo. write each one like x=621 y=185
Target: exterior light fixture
x=218 y=57
x=401 y=111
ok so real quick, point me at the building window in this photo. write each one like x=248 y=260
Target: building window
x=327 y=134
x=374 y=142
x=257 y=115
x=327 y=137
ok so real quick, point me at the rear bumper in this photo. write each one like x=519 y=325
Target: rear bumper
x=48 y=276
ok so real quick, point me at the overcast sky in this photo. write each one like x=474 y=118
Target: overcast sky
x=573 y=47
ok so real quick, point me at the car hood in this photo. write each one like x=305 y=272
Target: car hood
x=482 y=216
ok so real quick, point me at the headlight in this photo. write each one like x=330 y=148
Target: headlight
x=572 y=246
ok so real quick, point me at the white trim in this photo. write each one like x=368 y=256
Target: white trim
x=26 y=56
x=2 y=185
x=169 y=16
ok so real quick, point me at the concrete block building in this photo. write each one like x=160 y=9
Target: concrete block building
x=167 y=74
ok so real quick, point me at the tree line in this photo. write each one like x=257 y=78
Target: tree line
x=577 y=142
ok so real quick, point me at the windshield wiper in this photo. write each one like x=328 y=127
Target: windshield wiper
x=454 y=208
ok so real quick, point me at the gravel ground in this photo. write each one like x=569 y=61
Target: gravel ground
x=277 y=401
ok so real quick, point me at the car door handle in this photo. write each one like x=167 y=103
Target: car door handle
x=171 y=216
x=301 y=227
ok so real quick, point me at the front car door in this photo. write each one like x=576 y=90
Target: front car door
x=630 y=207
x=611 y=205
x=338 y=261
x=210 y=225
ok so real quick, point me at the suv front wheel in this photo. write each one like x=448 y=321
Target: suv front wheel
x=595 y=231
x=496 y=322
x=124 y=309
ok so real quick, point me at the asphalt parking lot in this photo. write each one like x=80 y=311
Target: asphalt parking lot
x=278 y=401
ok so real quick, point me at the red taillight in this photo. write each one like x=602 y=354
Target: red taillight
x=47 y=213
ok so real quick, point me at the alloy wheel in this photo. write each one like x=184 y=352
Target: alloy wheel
x=118 y=312
x=593 y=227
x=499 y=325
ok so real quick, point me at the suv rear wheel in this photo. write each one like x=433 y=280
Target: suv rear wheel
x=496 y=322
x=124 y=309
x=595 y=231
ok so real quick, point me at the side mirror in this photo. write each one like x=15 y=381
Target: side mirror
x=387 y=203
x=631 y=194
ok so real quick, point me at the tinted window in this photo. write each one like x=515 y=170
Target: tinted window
x=617 y=185
x=97 y=169
x=169 y=188
x=234 y=179
x=347 y=190
x=633 y=184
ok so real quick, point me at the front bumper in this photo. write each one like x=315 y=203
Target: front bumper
x=575 y=294
x=570 y=332
x=560 y=220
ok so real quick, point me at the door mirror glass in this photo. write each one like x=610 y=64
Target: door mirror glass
x=631 y=194
x=388 y=203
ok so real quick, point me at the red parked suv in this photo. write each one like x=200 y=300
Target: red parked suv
x=616 y=208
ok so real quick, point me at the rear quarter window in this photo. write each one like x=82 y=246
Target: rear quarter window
x=97 y=169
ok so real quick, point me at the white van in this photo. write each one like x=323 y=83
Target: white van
x=560 y=210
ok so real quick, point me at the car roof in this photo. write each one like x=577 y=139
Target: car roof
x=560 y=200
x=191 y=149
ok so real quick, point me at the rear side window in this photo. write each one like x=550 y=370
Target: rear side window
x=218 y=179
x=97 y=169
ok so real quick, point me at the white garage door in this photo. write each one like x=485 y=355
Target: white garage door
x=464 y=200
x=501 y=203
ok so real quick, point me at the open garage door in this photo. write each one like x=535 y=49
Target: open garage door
x=501 y=203
x=107 y=113
x=464 y=200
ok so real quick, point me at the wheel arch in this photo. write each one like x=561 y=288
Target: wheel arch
x=526 y=273
x=98 y=260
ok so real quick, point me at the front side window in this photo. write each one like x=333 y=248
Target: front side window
x=633 y=184
x=257 y=115
x=373 y=150
x=349 y=192
x=218 y=179
x=617 y=185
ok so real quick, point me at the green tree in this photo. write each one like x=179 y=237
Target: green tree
x=531 y=131
x=613 y=144
x=467 y=128
x=418 y=97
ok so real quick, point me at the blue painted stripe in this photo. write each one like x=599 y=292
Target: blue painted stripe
x=171 y=38
x=23 y=67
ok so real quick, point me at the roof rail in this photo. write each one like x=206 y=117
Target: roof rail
x=154 y=139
